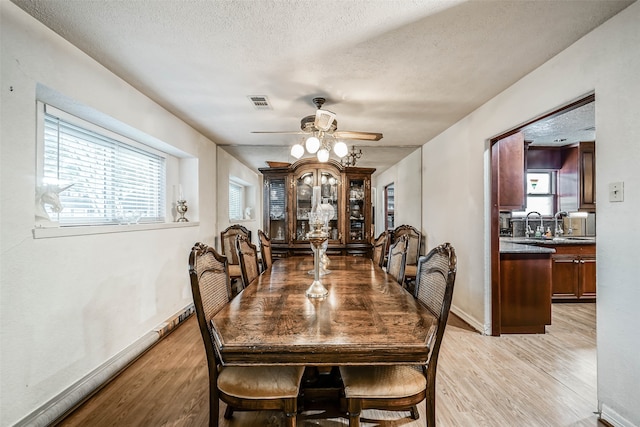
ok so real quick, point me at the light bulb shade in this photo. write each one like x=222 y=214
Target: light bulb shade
x=340 y=148
x=323 y=155
x=312 y=144
x=297 y=151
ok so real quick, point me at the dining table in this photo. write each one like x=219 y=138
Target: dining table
x=367 y=318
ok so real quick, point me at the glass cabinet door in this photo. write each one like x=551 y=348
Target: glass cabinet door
x=277 y=210
x=329 y=194
x=357 y=214
x=304 y=193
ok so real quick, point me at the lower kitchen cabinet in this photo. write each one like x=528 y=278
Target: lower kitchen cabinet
x=525 y=293
x=573 y=276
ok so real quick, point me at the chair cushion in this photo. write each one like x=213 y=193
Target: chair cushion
x=234 y=270
x=382 y=381
x=260 y=382
x=410 y=270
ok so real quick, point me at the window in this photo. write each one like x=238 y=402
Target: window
x=541 y=194
x=236 y=200
x=113 y=180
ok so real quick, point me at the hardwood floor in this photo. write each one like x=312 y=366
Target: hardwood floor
x=514 y=380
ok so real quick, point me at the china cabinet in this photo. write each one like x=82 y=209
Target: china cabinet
x=288 y=192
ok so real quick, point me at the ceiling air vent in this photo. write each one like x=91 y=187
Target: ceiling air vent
x=260 y=102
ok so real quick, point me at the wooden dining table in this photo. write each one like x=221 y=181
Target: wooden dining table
x=366 y=319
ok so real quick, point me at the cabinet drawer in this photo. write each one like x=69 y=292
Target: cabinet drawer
x=575 y=249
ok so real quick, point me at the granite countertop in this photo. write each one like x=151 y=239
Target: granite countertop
x=540 y=245
x=508 y=247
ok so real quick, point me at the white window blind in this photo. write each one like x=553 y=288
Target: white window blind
x=236 y=199
x=113 y=182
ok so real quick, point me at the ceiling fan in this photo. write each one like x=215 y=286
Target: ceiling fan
x=324 y=122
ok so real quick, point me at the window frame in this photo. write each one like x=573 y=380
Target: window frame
x=117 y=130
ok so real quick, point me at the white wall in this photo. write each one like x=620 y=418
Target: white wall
x=406 y=178
x=229 y=166
x=68 y=304
x=456 y=197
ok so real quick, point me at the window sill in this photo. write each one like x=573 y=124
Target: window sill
x=49 y=232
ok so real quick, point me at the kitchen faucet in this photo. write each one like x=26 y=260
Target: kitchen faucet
x=528 y=231
x=558 y=229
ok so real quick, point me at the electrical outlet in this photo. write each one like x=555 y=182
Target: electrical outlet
x=616 y=192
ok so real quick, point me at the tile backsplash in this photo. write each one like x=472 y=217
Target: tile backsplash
x=579 y=226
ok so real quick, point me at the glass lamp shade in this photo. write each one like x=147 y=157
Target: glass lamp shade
x=312 y=144
x=340 y=148
x=323 y=155
x=297 y=151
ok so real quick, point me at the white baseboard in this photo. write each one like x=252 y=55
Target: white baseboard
x=470 y=320
x=612 y=417
x=77 y=392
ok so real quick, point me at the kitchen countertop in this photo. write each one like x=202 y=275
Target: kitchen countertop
x=523 y=245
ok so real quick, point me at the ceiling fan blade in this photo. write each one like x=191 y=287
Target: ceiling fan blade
x=284 y=132
x=367 y=136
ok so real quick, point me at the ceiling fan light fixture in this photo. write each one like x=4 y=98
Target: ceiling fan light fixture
x=323 y=155
x=297 y=151
x=341 y=149
x=312 y=144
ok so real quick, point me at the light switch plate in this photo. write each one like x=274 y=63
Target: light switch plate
x=616 y=192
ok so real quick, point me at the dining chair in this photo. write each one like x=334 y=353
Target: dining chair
x=413 y=251
x=265 y=250
x=228 y=245
x=402 y=387
x=241 y=388
x=397 y=259
x=248 y=257
x=380 y=248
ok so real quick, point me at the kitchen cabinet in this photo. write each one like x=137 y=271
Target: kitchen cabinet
x=287 y=199
x=525 y=292
x=511 y=172
x=577 y=178
x=573 y=275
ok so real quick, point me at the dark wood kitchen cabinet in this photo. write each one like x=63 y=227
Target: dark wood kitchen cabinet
x=577 y=178
x=573 y=273
x=287 y=199
x=511 y=173
x=525 y=293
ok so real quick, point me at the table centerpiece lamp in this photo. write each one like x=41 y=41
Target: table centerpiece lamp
x=317 y=236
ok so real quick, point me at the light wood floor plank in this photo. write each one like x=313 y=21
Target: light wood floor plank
x=514 y=380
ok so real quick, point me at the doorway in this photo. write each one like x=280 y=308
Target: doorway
x=552 y=129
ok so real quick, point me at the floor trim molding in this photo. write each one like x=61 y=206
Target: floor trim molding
x=60 y=405
x=611 y=417
x=468 y=319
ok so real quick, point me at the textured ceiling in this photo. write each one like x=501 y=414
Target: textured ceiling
x=408 y=69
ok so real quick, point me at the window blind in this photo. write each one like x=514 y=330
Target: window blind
x=113 y=182
x=236 y=196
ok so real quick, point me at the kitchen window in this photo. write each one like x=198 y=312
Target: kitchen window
x=541 y=194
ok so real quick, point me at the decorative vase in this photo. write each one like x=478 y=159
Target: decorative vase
x=182 y=209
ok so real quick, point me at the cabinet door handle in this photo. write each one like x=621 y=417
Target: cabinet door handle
x=581 y=261
x=576 y=261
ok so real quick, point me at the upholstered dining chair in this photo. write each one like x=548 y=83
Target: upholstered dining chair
x=380 y=246
x=265 y=249
x=248 y=257
x=241 y=388
x=401 y=387
x=228 y=245
x=413 y=251
x=397 y=259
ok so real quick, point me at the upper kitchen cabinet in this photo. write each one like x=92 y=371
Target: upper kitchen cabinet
x=511 y=172
x=577 y=178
